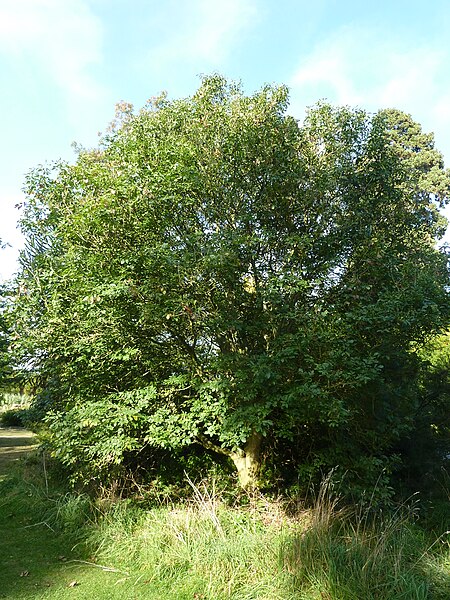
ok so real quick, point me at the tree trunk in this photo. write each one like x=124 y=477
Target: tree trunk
x=247 y=461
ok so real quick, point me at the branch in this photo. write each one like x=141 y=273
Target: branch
x=203 y=440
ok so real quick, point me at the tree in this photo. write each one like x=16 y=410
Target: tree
x=424 y=163
x=215 y=274
x=4 y=341
x=5 y=365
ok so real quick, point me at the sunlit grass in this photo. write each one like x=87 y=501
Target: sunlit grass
x=349 y=554
x=202 y=548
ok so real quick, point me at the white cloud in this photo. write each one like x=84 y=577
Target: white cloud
x=61 y=39
x=359 y=67
x=363 y=68
x=326 y=73
x=204 y=31
x=217 y=27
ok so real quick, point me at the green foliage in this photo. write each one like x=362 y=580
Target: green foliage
x=216 y=274
x=14 y=409
x=13 y=417
x=5 y=359
x=95 y=436
x=423 y=163
x=426 y=449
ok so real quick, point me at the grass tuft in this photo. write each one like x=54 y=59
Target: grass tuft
x=348 y=555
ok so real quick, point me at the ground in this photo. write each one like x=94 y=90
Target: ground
x=15 y=443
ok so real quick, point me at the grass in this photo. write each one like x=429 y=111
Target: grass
x=350 y=555
x=42 y=541
x=201 y=549
x=204 y=549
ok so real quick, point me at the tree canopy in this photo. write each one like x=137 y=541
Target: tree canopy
x=217 y=275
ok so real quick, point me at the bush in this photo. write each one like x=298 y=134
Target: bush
x=14 y=417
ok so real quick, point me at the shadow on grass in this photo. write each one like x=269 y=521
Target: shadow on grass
x=15 y=444
x=39 y=557
x=29 y=549
x=43 y=532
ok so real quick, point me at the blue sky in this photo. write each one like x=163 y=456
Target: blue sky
x=65 y=63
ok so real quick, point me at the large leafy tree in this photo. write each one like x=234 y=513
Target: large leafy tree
x=215 y=274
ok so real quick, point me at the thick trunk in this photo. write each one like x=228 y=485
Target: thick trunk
x=247 y=462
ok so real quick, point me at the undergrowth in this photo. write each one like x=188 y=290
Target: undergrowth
x=350 y=554
x=206 y=549
x=203 y=548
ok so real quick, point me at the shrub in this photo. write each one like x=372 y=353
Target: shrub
x=13 y=417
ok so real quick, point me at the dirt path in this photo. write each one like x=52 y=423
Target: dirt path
x=15 y=443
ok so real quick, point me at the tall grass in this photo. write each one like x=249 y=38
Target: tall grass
x=352 y=555
x=203 y=549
